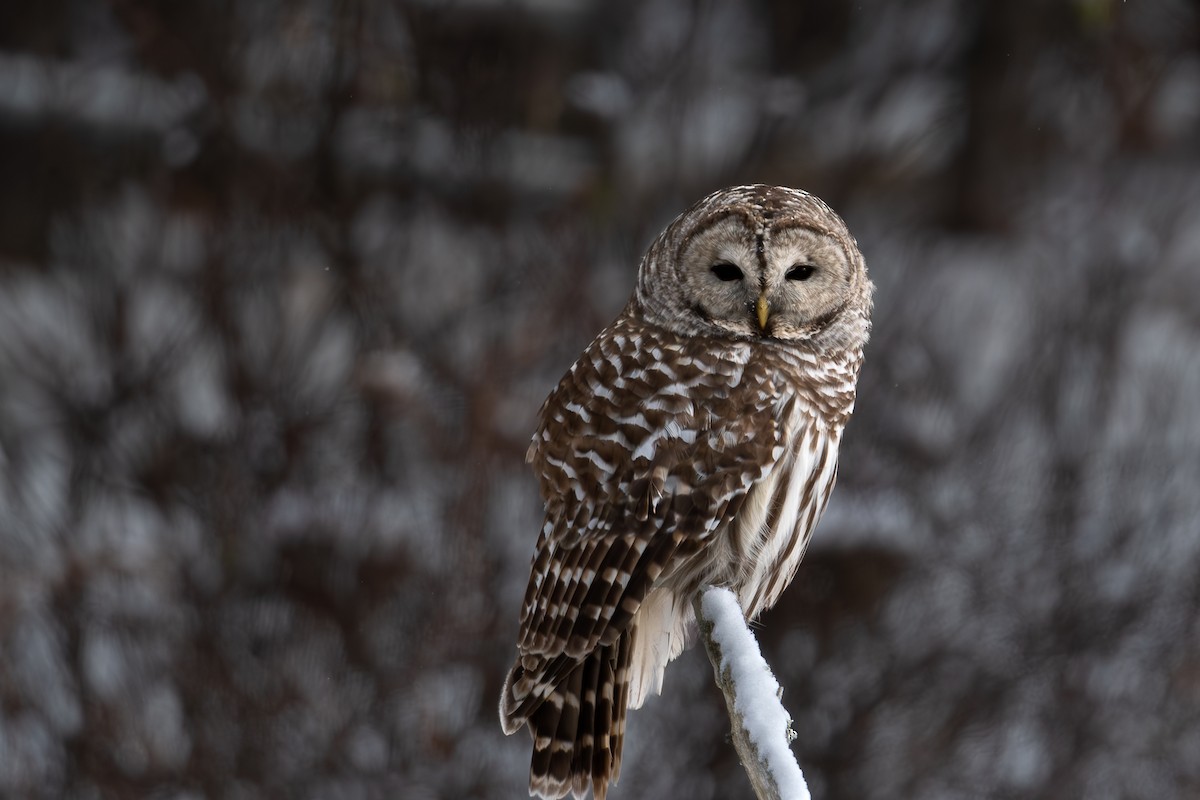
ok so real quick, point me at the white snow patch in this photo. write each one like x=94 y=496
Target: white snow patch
x=758 y=692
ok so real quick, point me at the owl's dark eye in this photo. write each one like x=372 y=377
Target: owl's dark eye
x=800 y=272
x=726 y=272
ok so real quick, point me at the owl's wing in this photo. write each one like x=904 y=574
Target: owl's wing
x=645 y=449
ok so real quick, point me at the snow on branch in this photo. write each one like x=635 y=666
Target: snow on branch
x=762 y=729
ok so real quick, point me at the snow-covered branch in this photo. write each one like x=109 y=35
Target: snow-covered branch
x=762 y=729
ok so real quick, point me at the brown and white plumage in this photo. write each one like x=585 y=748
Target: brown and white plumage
x=694 y=442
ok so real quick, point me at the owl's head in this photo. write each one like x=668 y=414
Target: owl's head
x=758 y=262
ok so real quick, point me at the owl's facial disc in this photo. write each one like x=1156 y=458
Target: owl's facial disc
x=720 y=272
x=780 y=286
x=808 y=278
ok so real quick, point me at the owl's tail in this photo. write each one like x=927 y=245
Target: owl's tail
x=579 y=728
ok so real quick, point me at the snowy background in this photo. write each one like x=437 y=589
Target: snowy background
x=282 y=285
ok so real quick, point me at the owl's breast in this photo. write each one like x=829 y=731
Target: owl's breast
x=771 y=532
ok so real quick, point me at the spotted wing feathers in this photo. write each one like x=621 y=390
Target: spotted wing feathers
x=637 y=477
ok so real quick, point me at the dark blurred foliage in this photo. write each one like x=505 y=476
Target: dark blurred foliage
x=282 y=285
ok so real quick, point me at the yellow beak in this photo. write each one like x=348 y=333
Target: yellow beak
x=763 y=311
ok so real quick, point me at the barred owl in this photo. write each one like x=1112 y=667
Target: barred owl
x=694 y=442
